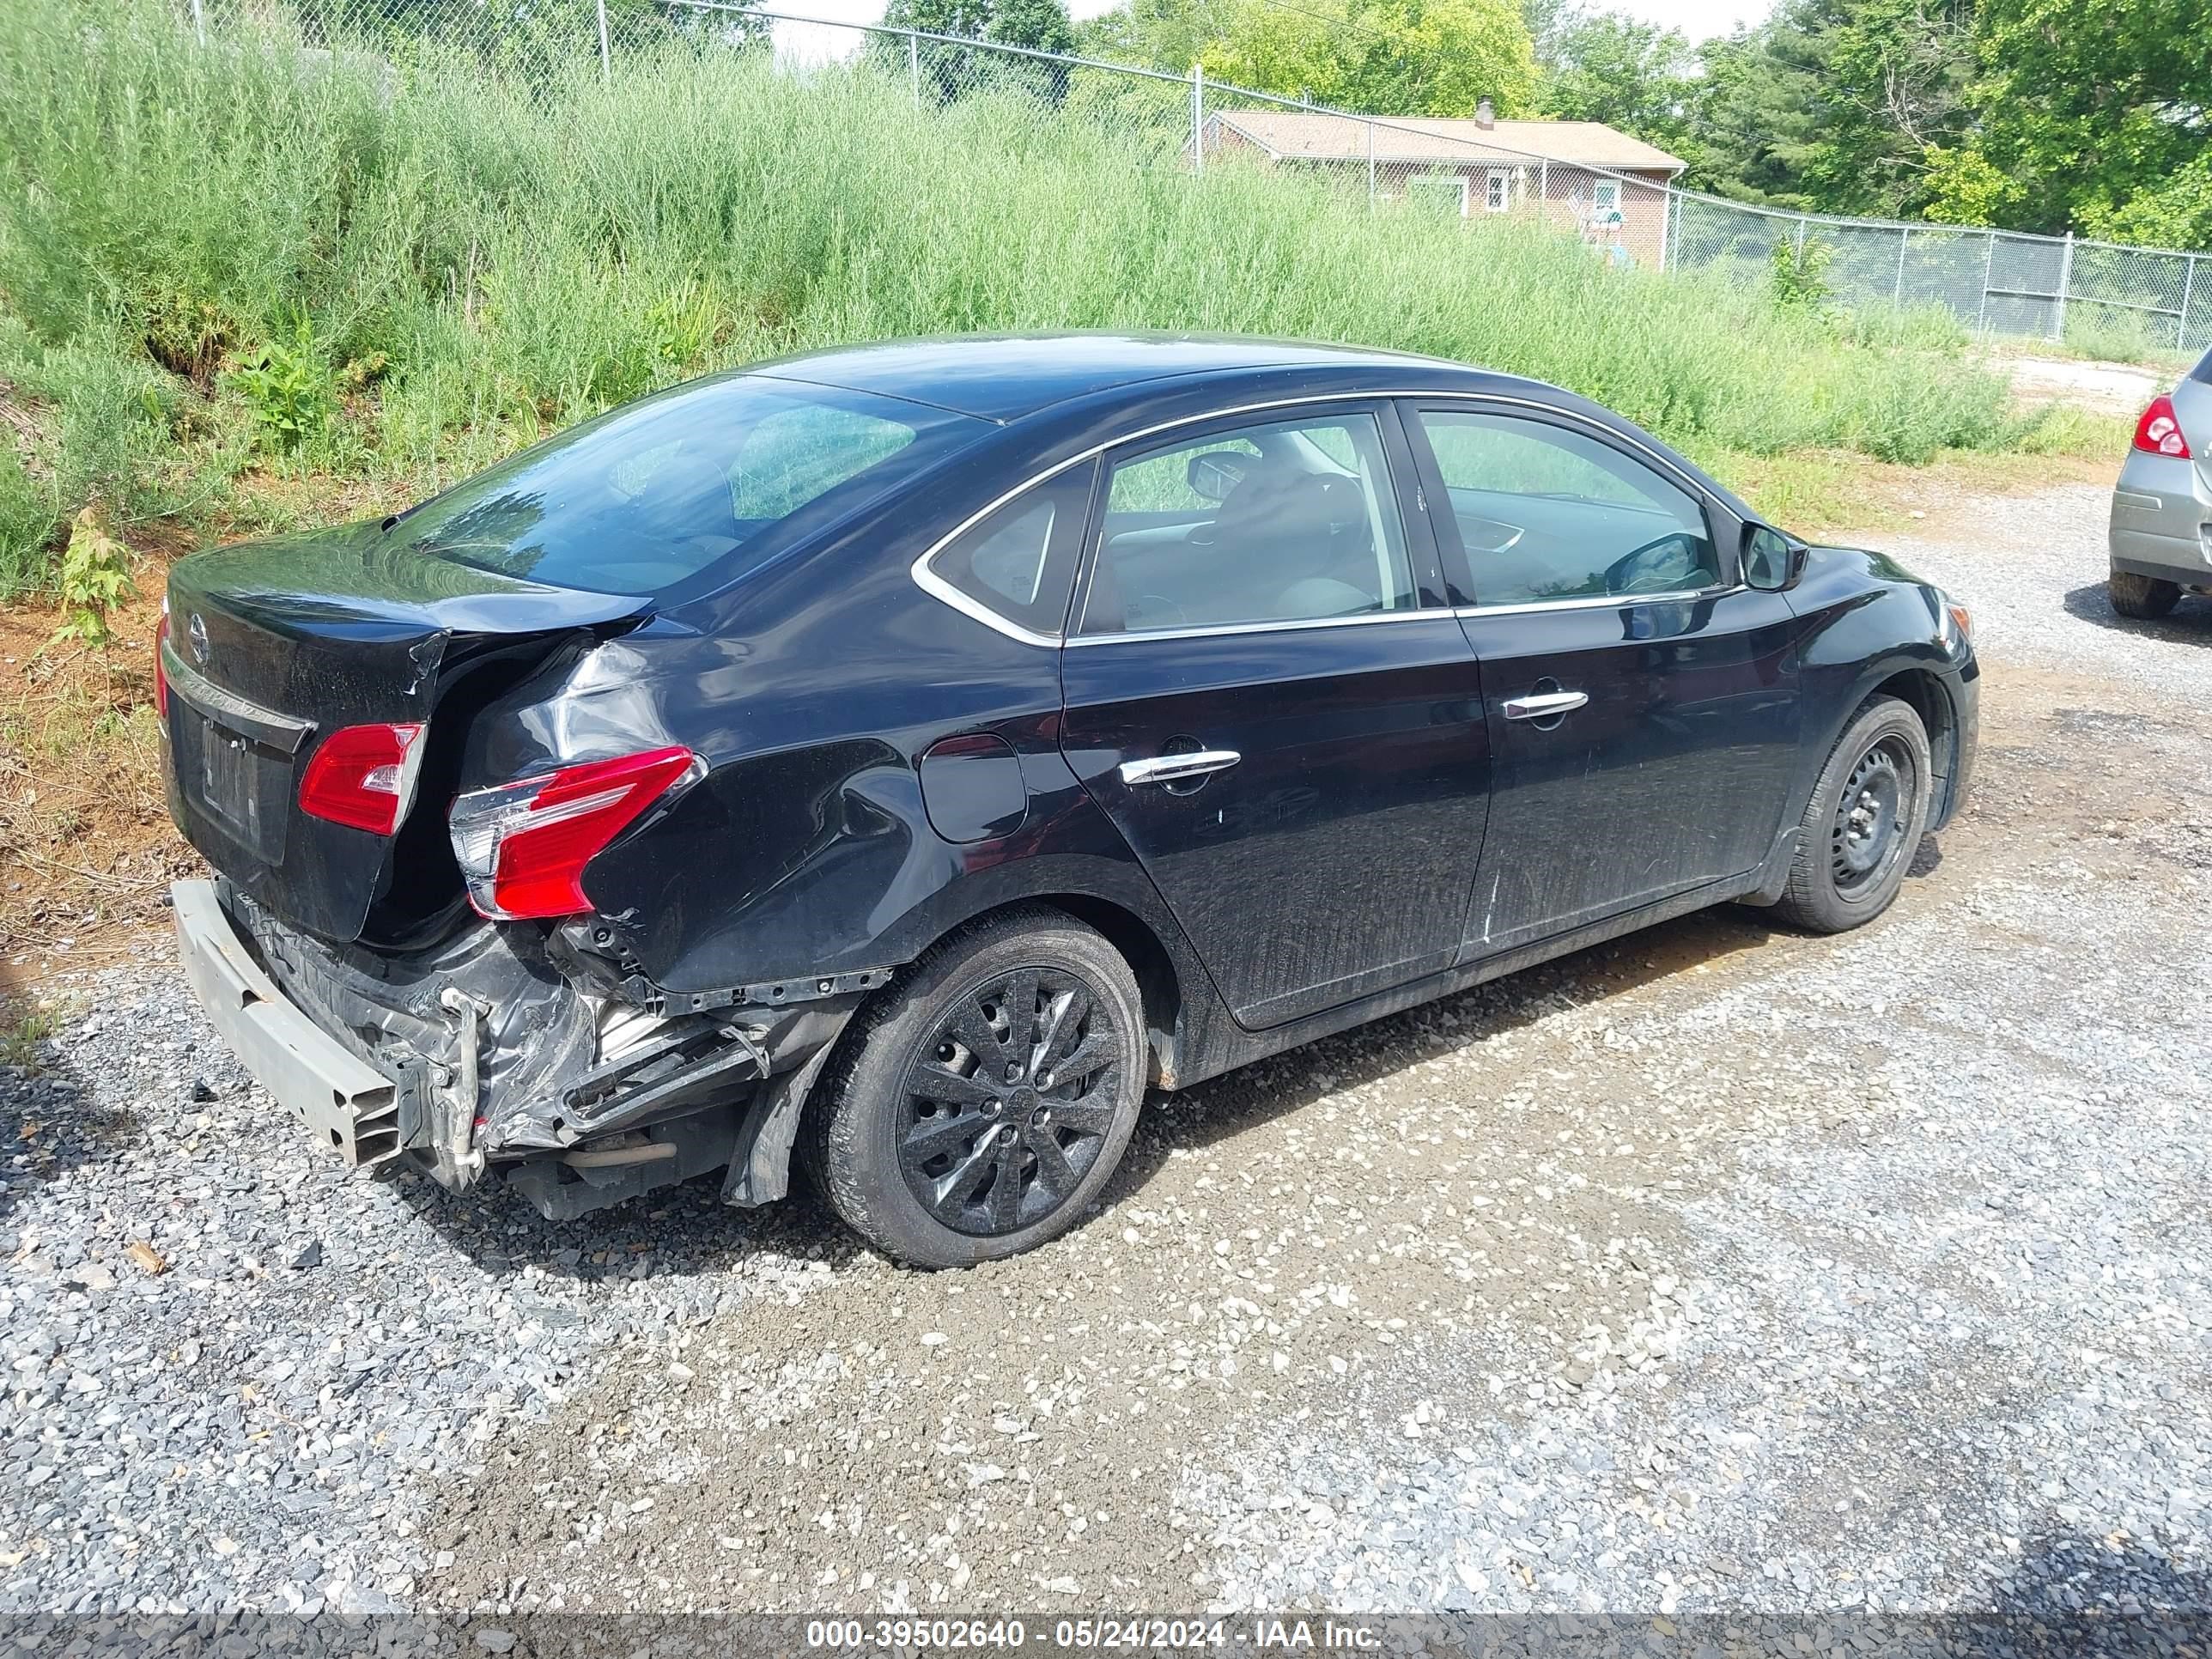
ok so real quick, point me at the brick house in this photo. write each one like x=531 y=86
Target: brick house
x=1583 y=176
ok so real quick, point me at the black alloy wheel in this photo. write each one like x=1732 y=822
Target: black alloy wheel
x=1012 y=1105
x=977 y=1106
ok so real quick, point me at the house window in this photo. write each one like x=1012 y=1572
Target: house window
x=1498 y=194
x=1444 y=192
x=1605 y=199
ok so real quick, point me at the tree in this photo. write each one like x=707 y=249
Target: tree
x=1609 y=67
x=1834 y=106
x=1379 y=57
x=948 y=71
x=2086 y=115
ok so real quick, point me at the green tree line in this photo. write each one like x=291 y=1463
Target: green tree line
x=2094 y=116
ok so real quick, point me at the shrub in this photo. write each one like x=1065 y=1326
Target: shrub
x=288 y=386
x=96 y=577
x=1799 y=271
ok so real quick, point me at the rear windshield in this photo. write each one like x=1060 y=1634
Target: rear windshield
x=685 y=490
x=2204 y=370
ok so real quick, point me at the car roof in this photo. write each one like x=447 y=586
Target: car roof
x=1004 y=377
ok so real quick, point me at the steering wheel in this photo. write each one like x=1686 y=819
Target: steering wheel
x=1648 y=569
x=1150 y=604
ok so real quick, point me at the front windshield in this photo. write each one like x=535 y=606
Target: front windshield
x=682 y=490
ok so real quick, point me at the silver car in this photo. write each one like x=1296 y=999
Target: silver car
x=2161 y=536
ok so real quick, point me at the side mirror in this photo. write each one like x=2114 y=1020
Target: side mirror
x=1772 y=561
x=1214 y=473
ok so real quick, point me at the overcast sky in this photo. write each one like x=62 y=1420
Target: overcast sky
x=1698 y=19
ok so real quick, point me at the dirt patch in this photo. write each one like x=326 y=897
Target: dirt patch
x=2113 y=388
x=86 y=849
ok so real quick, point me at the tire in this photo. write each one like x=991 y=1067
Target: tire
x=923 y=1072
x=2146 y=599
x=1862 y=824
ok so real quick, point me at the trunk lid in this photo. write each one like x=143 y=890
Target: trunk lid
x=272 y=646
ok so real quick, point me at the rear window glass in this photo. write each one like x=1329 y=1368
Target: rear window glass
x=685 y=491
x=2204 y=369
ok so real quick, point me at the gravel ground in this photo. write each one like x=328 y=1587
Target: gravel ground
x=1718 y=1271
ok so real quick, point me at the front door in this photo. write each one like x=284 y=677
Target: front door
x=1643 y=707
x=1269 y=695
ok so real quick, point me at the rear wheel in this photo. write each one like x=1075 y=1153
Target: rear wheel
x=1863 y=822
x=976 y=1109
x=2146 y=599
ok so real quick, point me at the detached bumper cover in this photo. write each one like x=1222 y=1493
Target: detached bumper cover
x=345 y=1103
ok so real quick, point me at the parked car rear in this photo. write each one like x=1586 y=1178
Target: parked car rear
x=2161 y=533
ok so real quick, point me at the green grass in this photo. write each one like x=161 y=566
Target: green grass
x=2113 y=334
x=20 y=1035
x=217 y=259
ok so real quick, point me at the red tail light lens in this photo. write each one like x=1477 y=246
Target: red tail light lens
x=363 y=776
x=160 y=676
x=2159 y=432
x=523 y=846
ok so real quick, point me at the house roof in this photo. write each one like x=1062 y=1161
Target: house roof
x=1312 y=136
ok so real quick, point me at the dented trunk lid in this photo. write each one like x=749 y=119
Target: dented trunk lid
x=274 y=645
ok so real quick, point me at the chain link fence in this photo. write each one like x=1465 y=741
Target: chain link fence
x=1613 y=194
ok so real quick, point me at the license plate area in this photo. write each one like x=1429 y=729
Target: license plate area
x=241 y=785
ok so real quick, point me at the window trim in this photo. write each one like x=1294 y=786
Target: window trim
x=1461 y=573
x=1063 y=545
x=942 y=588
x=1394 y=399
x=1423 y=558
x=1499 y=182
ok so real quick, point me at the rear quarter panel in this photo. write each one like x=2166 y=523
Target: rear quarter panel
x=813 y=689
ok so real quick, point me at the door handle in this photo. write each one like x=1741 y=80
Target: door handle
x=1544 y=705
x=1173 y=768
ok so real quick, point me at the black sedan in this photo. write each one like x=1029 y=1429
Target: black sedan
x=905 y=755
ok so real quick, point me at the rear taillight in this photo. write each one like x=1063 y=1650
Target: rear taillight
x=161 y=675
x=363 y=776
x=522 y=847
x=2159 y=432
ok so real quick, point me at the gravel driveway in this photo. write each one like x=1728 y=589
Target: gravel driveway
x=1720 y=1269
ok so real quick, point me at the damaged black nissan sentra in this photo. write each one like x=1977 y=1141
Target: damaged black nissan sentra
x=906 y=754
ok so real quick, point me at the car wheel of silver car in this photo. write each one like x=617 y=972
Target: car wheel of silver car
x=2146 y=599
x=976 y=1108
x=1863 y=822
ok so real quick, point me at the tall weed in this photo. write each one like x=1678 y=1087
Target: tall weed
x=514 y=253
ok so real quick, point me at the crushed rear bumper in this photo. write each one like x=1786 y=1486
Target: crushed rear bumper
x=344 y=1103
x=482 y=1056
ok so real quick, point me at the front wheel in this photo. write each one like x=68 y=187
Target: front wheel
x=2145 y=598
x=1863 y=822
x=978 y=1108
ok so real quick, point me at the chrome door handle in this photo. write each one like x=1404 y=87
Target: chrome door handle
x=1544 y=705
x=1173 y=768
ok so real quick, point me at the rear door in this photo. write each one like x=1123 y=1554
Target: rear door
x=1644 y=704
x=1268 y=693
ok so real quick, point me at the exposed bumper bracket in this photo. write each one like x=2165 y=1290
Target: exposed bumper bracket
x=345 y=1102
